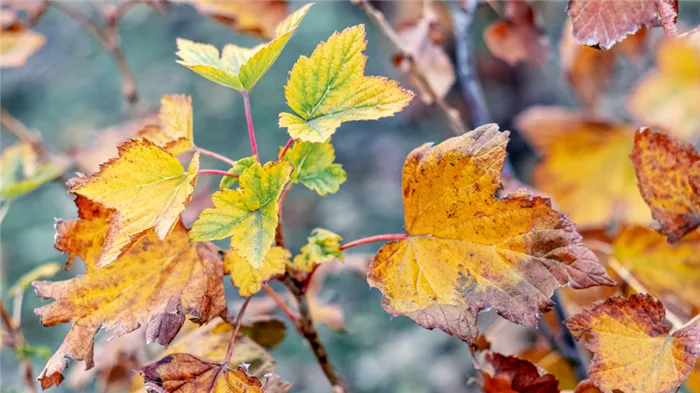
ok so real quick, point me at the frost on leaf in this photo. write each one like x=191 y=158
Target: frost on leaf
x=174 y=134
x=330 y=88
x=633 y=350
x=246 y=277
x=154 y=284
x=237 y=67
x=467 y=250
x=671 y=272
x=603 y=22
x=146 y=186
x=186 y=373
x=502 y=374
x=322 y=246
x=668 y=173
x=314 y=167
x=247 y=215
x=585 y=166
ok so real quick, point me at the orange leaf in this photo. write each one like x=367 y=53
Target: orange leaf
x=156 y=283
x=256 y=17
x=507 y=374
x=84 y=237
x=633 y=350
x=668 y=172
x=467 y=250
x=585 y=166
x=517 y=38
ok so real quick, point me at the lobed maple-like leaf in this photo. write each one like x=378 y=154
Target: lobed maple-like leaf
x=322 y=246
x=85 y=236
x=184 y=373
x=330 y=88
x=21 y=172
x=156 y=283
x=249 y=278
x=247 y=215
x=467 y=250
x=237 y=169
x=175 y=132
x=670 y=272
x=238 y=68
x=508 y=374
x=314 y=167
x=257 y=17
x=603 y=23
x=668 y=173
x=677 y=80
x=633 y=350
x=517 y=38
x=146 y=186
x=585 y=166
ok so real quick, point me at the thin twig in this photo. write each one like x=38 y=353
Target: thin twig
x=249 y=121
x=373 y=239
x=451 y=115
x=216 y=155
x=578 y=358
x=21 y=132
x=285 y=148
x=236 y=329
x=216 y=172
x=280 y=303
x=17 y=338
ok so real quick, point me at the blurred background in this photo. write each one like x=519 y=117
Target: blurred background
x=70 y=91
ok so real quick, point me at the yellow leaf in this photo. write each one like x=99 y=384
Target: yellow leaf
x=322 y=246
x=669 y=97
x=668 y=172
x=18 y=45
x=147 y=187
x=44 y=271
x=670 y=272
x=330 y=88
x=467 y=250
x=175 y=133
x=85 y=236
x=238 y=68
x=248 y=215
x=585 y=166
x=249 y=279
x=21 y=172
x=633 y=350
x=155 y=284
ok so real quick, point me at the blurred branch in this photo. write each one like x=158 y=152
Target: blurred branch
x=109 y=38
x=451 y=114
x=16 y=340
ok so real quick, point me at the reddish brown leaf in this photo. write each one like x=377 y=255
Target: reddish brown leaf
x=517 y=38
x=507 y=374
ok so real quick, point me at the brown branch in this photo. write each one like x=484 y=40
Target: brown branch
x=236 y=329
x=108 y=37
x=451 y=114
x=17 y=340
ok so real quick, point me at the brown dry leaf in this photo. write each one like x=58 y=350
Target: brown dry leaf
x=85 y=236
x=424 y=41
x=633 y=350
x=585 y=166
x=507 y=374
x=467 y=250
x=671 y=272
x=669 y=97
x=18 y=43
x=542 y=356
x=603 y=23
x=668 y=173
x=256 y=17
x=586 y=386
x=184 y=373
x=156 y=283
x=517 y=38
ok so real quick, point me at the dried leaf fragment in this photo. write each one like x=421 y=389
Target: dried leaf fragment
x=85 y=236
x=633 y=350
x=517 y=38
x=467 y=250
x=507 y=374
x=175 y=132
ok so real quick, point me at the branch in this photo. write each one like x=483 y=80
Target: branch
x=577 y=357
x=17 y=340
x=249 y=120
x=216 y=155
x=373 y=239
x=451 y=114
x=237 y=328
x=216 y=172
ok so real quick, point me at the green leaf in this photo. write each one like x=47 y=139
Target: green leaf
x=247 y=215
x=238 y=68
x=314 y=167
x=21 y=173
x=237 y=169
x=323 y=246
x=25 y=352
x=330 y=88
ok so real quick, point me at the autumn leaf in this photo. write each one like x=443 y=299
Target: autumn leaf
x=314 y=167
x=248 y=215
x=322 y=246
x=670 y=272
x=238 y=68
x=18 y=44
x=248 y=278
x=585 y=166
x=237 y=169
x=669 y=97
x=44 y=271
x=633 y=350
x=21 y=172
x=603 y=23
x=517 y=38
x=155 y=284
x=330 y=88
x=174 y=134
x=146 y=186
x=189 y=374
x=257 y=17
x=507 y=374
x=467 y=250
x=85 y=236
x=668 y=173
